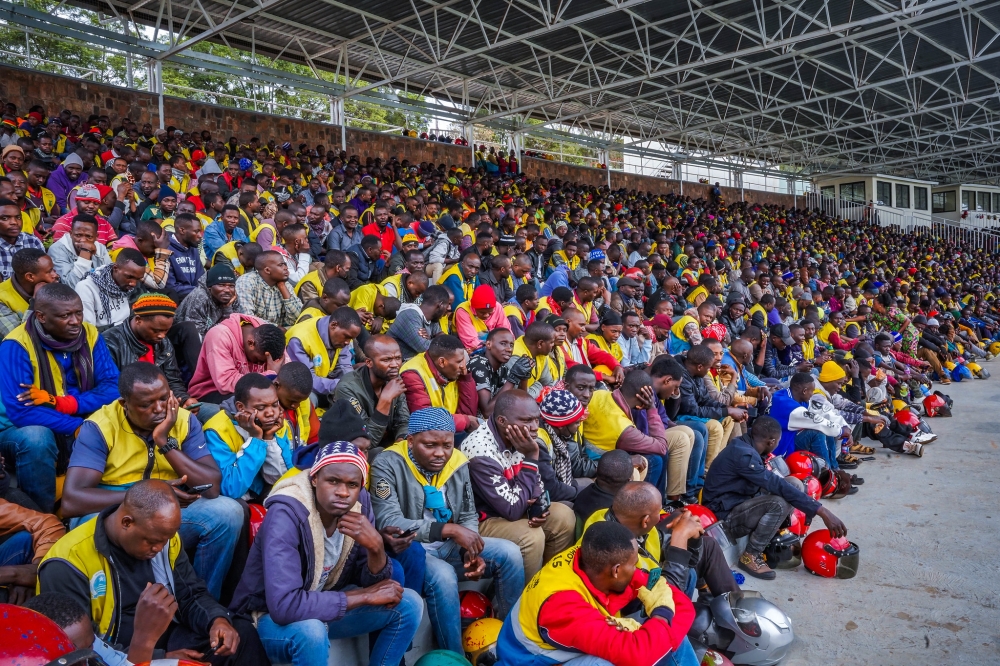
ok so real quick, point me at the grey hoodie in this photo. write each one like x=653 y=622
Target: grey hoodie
x=71 y=267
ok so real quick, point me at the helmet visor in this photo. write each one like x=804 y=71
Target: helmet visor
x=848 y=562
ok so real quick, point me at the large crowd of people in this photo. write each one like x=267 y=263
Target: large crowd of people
x=258 y=397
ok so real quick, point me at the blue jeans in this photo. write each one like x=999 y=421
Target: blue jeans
x=411 y=564
x=503 y=564
x=816 y=442
x=696 y=464
x=656 y=471
x=16 y=550
x=215 y=526
x=307 y=642
x=32 y=450
x=682 y=656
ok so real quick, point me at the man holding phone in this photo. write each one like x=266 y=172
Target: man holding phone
x=421 y=490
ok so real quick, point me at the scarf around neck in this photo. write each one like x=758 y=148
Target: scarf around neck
x=561 y=463
x=112 y=296
x=83 y=360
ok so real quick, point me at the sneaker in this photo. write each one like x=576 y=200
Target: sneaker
x=756 y=566
x=913 y=448
x=923 y=437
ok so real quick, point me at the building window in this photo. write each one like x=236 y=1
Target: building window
x=902 y=196
x=943 y=202
x=853 y=192
x=919 y=198
x=983 y=201
x=996 y=202
x=883 y=193
x=967 y=199
x=828 y=191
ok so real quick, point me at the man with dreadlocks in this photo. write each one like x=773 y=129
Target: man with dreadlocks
x=57 y=370
x=105 y=292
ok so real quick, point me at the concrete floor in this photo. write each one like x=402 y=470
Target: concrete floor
x=928 y=588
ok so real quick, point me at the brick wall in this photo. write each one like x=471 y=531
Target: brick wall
x=27 y=88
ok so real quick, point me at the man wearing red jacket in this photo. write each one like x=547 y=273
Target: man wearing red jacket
x=570 y=612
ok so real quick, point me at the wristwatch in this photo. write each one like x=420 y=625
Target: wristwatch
x=171 y=445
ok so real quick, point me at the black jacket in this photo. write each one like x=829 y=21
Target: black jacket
x=196 y=609
x=695 y=399
x=126 y=349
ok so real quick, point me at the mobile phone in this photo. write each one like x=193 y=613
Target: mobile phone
x=195 y=490
x=194 y=405
x=210 y=652
x=403 y=535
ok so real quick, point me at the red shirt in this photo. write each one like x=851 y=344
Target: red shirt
x=387 y=236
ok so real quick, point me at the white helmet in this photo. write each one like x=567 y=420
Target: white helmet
x=763 y=633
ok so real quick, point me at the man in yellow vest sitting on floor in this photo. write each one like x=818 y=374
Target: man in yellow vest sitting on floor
x=570 y=613
x=686 y=331
x=335 y=265
x=147 y=434
x=132 y=558
x=320 y=344
x=462 y=278
x=378 y=308
x=336 y=294
x=31 y=268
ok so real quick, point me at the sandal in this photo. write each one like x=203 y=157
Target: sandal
x=857 y=480
x=847 y=461
x=862 y=449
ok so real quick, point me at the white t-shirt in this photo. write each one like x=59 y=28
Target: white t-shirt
x=331 y=555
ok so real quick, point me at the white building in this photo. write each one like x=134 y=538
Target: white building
x=895 y=200
x=979 y=204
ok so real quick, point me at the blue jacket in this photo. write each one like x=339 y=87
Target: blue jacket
x=18 y=370
x=215 y=237
x=782 y=405
x=738 y=474
x=241 y=471
x=278 y=577
x=185 y=268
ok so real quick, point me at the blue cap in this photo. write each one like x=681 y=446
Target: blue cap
x=430 y=418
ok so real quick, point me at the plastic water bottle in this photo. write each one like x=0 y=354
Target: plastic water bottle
x=740 y=578
x=924 y=390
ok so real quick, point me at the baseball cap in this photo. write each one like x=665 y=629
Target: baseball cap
x=781 y=331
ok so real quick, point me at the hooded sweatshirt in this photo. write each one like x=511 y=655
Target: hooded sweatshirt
x=60 y=183
x=283 y=570
x=70 y=266
x=185 y=268
x=222 y=361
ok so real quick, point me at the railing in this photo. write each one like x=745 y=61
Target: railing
x=840 y=208
x=32 y=62
x=979 y=219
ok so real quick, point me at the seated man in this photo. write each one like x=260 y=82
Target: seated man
x=696 y=404
x=294 y=385
x=143 y=337
x=629 y=419
x=476 y=317
x=146 y=434
x=239 y=344
x=25 y=536
x=805 y=429
x=614 y=470
x=687 y=556
x=31 y=269
x=561 y=416
x=376 y=389
x=324 y=346
x=571 y=612
x=749 y=499
x=336 y=294
x=439 y=377
x=492 y=373
x=503 y=465
x=75 y=622
x=129 y=570
x=77 y=253
x=266 y=293
x=211 y=301
x=316 y=540
x=57 y=370
x=416 y=325
x=423 y=485
x=537 y=345
x=105 y=292
x=249 y=439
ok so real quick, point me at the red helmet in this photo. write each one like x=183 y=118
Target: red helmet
x=28 y=638
x=715 y=658
x=798 y=524
x=836 y=483
x=826 y=556
x=813 y=487
x=804 y=463
x=935 y=405
x=257 y=513
x=473 y=606
x=702 y=513
x=906 y=417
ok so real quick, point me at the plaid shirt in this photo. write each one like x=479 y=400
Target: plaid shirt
x=265 y=302
x=7 y=252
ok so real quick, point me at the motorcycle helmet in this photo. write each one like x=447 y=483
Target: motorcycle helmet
x=702 y=513
x=479 y=640
x=813 y=487
x=257 y=513
x=826 y=556
x=898 y=405
x=803 y=464
x=907 y=417
x=778 y=465
x=783 y=551
x=473 y=606
x=442 y=658
x=28 y=638
x=935 y=405
x=978 y=371
x=762 y=632
x=836 y=483
x=796 y=523
x=715 y=658
x=994 y=348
